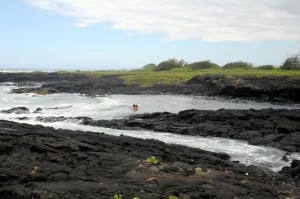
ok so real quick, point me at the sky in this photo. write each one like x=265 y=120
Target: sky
x=119 y=34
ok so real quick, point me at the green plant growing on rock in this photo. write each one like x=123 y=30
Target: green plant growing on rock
x=237 y=82
x=198 y=170
x=152 y=160
x=136 y=197
x=172 y=197
x=117 y=196
x=41 y=92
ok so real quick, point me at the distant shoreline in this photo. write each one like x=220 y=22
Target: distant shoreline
x=282 y=89
x=30 y=70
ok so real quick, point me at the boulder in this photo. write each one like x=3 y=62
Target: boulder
x=38 y=110
x=295 y=169
x=17 y=110
x=51 y=119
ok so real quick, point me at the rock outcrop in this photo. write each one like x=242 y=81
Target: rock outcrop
x=41 y=162
x=17 y=110
x=279 y=128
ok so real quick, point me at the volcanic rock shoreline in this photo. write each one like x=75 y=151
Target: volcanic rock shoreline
x=276 y=89
x=42 y=162
x=279 y=128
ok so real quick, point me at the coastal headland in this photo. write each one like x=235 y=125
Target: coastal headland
x=260 y=86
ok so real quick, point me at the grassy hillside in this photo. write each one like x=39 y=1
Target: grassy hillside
x=146 y=77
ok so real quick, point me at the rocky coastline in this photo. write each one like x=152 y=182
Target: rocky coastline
x=278 y=128
x=42 y=162
x=275 y=89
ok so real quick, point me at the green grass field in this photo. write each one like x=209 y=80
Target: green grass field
x=183 y=74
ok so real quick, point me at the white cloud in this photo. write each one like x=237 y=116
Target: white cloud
x=208 y=20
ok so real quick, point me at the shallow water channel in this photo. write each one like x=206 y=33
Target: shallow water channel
x=119 y=106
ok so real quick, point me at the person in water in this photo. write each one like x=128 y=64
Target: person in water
x=135 y=107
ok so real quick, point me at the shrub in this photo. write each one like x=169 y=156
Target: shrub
x=202 y=65
x=291 y=63
x=170 y=64
x=172 y=197
x=239 y=64
x=150 y=66
x=266 y=67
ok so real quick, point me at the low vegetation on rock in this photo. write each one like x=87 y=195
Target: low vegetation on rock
x=41 y=92
x=117 y=196
x=174 y=71
x=152 y=160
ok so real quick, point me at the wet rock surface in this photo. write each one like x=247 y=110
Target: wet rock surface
x=17 y=110
x=279 y=128
x=41 y=162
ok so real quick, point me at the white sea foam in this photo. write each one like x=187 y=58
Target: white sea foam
x=118 y=106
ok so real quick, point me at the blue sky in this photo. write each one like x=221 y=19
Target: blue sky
x=117 y=34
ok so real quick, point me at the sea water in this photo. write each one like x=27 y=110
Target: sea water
x=119 y=106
